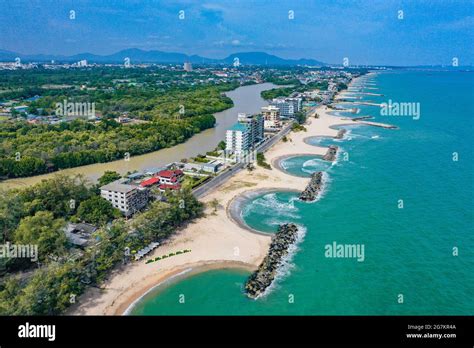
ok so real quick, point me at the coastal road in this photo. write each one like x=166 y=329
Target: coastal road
x=205 y=188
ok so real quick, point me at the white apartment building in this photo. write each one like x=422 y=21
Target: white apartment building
x=256 y=124
x=127 y=198
x=288 y=106
x=238 y=138
x=247 y=132
x=188 y=66
x=271 y=116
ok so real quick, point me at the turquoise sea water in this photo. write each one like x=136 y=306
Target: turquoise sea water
x=304 y=165
x=408 y=251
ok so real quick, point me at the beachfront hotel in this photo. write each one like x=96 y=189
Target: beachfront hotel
x=243 y=135
x=127 y=198
x=271 y=116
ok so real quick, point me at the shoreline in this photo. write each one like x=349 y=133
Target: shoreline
x=126 y=308
x=217 y=240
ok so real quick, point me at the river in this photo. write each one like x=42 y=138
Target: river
x=246 y=99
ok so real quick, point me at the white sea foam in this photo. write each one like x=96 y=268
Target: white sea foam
x=311 y=163
x=270 y=204
x=316 y=164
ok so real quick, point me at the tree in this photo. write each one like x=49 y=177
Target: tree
x=108 y=177
x=42 y=230
x=300 y=117
x=221 y=145
x=97 y=210
x=214 y=204
x=261 y=161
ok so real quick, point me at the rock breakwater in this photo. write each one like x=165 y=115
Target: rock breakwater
x=263 y=277
x=313 y=188
x=331 y=153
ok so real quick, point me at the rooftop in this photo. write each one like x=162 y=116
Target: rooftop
x=150 y=182
x=169 y=173
x=117 y=186
x=239 y=127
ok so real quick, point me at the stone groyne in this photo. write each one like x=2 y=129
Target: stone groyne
x=331 y=153
x=264 y=276
x=313 y=188
x=340 y=133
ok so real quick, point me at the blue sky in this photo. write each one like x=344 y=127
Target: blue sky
x=365 y=31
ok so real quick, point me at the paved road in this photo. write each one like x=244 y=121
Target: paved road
x=228 y=173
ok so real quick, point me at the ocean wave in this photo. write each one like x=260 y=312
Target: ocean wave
x=316 y=164
x=270 y=203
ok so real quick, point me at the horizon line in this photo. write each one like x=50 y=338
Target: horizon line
x=227 y=56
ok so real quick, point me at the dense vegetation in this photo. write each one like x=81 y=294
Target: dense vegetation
x=43 y=148
x=296 y=87
x=169 y=108
x=37 y=215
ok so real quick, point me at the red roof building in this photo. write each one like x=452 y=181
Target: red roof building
x=150 y=182
x=170 y=176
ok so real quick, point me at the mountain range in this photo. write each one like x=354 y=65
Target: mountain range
x=141 y=56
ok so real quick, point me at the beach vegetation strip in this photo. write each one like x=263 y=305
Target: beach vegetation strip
x=158 y=258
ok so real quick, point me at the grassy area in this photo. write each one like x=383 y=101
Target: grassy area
x=191 y=182
x=297 y=127
x=261 y=161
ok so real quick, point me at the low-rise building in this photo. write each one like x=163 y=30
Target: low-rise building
x=127 y=198
x=150 y=182
x=172 y=187
x=79 y=234
x=170 y=176
x=210 y=167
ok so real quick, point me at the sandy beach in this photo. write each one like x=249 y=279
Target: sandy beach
x=217 y=240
